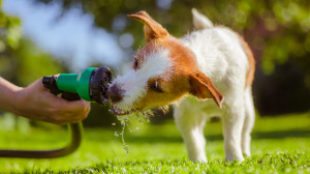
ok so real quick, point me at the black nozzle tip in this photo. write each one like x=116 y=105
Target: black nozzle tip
x=99 y=83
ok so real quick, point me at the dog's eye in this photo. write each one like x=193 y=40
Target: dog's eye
x=154 y=86
x=135 y=63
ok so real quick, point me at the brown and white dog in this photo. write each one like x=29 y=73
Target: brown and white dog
x=209 y=63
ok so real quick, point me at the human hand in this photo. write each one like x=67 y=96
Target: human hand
x=36 y=102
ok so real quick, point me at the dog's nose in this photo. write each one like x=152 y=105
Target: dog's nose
x=115 y=93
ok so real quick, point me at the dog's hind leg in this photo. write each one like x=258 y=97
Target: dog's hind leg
x=233 y=119
x=191 y=123
x=248 y=122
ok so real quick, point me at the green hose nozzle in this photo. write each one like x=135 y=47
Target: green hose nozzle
x=76 y=83
x=91 y=84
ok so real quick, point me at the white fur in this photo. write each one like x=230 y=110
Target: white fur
x=200 y=21
x=220 y=56
x=134 y=82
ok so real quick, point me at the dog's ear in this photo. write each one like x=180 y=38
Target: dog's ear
x=202 y=87
x=152 y=29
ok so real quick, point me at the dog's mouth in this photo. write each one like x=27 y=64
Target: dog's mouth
x=119 y=112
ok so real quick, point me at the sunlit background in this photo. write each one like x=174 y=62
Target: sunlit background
x=45 y=37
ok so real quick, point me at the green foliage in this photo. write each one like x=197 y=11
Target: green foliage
x=21 y=61
x=280 y=145
x=11 y=27
x=34 y=63
x=277 y=30
x=13 y=36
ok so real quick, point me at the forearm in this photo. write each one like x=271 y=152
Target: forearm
x=9 y=98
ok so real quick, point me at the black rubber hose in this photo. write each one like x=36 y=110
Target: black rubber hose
x=76 y=137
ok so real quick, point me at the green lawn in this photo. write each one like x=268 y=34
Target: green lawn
x=280 y=145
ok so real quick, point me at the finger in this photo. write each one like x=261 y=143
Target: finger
x=81 y=115
x=72 y=107
x=63 y=118
x=77 y=106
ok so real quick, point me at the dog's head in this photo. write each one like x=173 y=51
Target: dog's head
x=163 y=71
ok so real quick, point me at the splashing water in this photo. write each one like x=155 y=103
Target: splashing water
x=123 y=121
x=142 y=117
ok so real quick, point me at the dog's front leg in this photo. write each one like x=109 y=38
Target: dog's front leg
x=191 y=127
x=232 y=128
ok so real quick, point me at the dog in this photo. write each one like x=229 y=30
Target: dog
x=194 y=73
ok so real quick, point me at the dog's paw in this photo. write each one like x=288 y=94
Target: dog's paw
x=247 y=153
x=199 y=159
x=231 y=158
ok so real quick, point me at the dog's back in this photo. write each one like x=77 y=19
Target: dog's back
x=222 y=54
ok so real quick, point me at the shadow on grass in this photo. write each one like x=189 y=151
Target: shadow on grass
x=297 y=133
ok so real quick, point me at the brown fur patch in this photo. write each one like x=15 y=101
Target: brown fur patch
x=202 y=87
x=152 y=29
x=185 y=76
x=184 y=68
x=251 y=60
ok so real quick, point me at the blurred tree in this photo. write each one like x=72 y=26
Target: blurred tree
x=33 y=63
x=278 y=32
x=9 y=40
x=21 y=61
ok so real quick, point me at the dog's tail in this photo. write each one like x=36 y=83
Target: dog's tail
x=200 y=21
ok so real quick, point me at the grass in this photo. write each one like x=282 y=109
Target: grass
x=280 y=145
